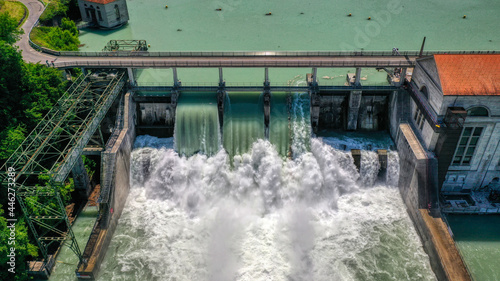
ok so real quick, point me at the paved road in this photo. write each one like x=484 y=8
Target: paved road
x=30 y=55
x=35 y=9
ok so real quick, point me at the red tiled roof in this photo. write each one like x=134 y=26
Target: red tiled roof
x=100 y=1
x=469 y=75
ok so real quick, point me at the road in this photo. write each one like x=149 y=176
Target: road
x=35 y=9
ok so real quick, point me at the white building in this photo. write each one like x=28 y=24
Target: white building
x=104 y=13
x=467 y=140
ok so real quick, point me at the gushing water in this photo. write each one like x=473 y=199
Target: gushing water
x=265 y=218
x=301 y=124
x=279 y=128
x=243 y=121
x=197 y=124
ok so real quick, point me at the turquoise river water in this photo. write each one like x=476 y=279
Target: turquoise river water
x=295 y=25
x=478 y=240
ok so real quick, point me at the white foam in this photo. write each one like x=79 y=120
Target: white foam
x=265 y=218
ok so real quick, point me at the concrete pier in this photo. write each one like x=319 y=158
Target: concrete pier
x=382 y=159
x=115 y=189
x=353 y=110
x=415 y=181
x=81 y=178
x=356 y=155
x=131 y=78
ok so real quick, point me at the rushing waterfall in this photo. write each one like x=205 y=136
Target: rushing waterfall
x=243 y=121
x=279 y=125
x=197 y=124
x=266 y=217
x=301 y=124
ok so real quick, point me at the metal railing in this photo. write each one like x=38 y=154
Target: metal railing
x=257 y=53
x=258 y=84
x=232 y=63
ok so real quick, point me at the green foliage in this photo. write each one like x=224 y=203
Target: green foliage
x=55 y=38
x=24 y=249
x=11 y=65
x=42 y=87
x=55 y=9
x=8 y=29
x=90 y=166
x=27 y=92
x=65 y=190
x=69 y=25
x=2 y=2
x=11 y=139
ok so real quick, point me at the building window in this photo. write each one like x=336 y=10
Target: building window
x=117 y=12
x=466 y=146
x=477 y=111
x=419 y=118
x=99 y=15
x=424 y=92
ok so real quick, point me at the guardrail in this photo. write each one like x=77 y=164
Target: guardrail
x=32 y=44
x=257 y=54
x=256 y=84
x=114 y=63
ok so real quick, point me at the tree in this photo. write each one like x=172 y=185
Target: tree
x=67 y=24
x=11 y=139
x=8 y=29
x=42 y=87
x=63 y=40
x=11 y=63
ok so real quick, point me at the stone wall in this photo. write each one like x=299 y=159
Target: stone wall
x=415 y=184
x=120 y=152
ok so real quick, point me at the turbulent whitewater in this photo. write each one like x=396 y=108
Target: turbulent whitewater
x=263 y=218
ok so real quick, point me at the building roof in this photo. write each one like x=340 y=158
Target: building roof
x=100 y=1
x=469 y=75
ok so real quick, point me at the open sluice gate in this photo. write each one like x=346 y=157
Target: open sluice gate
x=198 y=130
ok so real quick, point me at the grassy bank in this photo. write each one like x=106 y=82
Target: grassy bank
x=14 y=9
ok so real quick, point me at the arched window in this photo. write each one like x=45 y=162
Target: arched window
x=117 y=12
x=424 y=92
x=477 y=111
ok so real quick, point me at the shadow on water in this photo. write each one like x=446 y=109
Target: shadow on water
x=475 y=228
x=102 y=32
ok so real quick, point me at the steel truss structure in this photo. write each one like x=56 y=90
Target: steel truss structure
x=43 y=161
x=126 y=45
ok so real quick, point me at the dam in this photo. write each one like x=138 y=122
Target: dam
x=251 y=182
x=230 y=155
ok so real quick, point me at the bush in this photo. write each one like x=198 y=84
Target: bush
x=54 y=9
x=69 y=25
x=55 y=38
x=8 y=28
